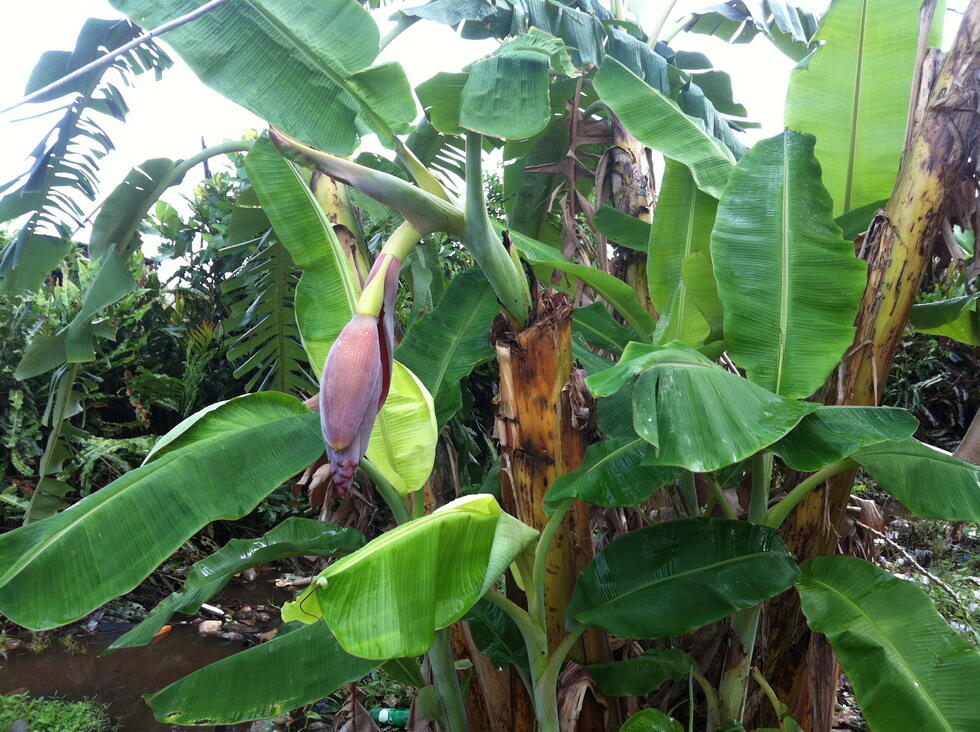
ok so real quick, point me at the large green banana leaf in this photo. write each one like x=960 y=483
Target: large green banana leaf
x=506 y=94
x=928 y=481
x=294 y=668
x=403 y=441
x=612 y=474
x=218 y=465
x=623 y=229
x=496 y=635
x=696 y=414
x=643 y=674
x=614 y=414
x=682 y=226
x=909 y=669
x=789 y=283
x=671 y=578
x=293 y=537
x=955 y=318
x=651 y=720
x=831 y=433
x=388 y=599
x=596 y=324
x=853 y=94
x=300 y=64
x=327 y=291
x=658 y=122
x=450 y=341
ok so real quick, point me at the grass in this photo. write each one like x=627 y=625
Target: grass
x=51 y=714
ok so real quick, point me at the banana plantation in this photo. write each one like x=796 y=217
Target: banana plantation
x=545 y=394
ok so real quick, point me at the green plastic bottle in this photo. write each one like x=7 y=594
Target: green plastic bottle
x=393 y=717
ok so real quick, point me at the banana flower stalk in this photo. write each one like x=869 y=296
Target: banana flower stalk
x=357 y=373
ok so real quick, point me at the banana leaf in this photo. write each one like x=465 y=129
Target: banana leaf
x=293 y=537
x=403 y=441
x=612 y=474
x=955 y=318
x=293 y=669
x=327 y=291
x=853 y=92
x=658 y=122
x=303 y=65
x=497 y=636
x=595 y=324
x=909 y=669
x=447 y=343
x=643 y=674
x=506 y=94
x=651 y=720
x=681 y=227
x=831 y=433
x=789 y=283
x=929 y=481
x=670 y=578
x=388 y=599
x=623 y=229
x=696 y=414
x=57 y=570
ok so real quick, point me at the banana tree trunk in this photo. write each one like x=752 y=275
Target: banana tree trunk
x=541 y=424
x=800 y=665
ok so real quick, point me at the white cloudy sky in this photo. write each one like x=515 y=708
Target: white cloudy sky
x=169 y=117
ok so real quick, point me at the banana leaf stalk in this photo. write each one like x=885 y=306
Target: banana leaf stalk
x=428 y=212
x=357 y=373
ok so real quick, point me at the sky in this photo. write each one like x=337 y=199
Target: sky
x=168 y=118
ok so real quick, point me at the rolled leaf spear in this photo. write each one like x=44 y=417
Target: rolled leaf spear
x=357 y=373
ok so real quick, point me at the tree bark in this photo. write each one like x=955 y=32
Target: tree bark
x=935 y=165
x=542 y=427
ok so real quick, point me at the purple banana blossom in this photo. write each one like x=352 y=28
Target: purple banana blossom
x=357 y=375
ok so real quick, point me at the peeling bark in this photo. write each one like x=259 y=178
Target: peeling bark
x=899 y=247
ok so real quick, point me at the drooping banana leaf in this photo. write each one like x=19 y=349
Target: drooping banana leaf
x=643 y=674
x=403 y=441
x=831 y=433
x=293 y=669
x=449 y=342
x=657 y=122
x=293 y=537
x=112 y=248
x=328 y=290
x=496 y=635
x=614 y=414
x=528 y=195
x=596 y=324
x=506 y=94
x=789 y=27
x=388 y=599
x=301 y=64
x=853 y=95
x=623 y=229
x=909 y=669
x=789 y=283
x=929 y=481
x=696 y=414
x=612 y=474
x=56 y=570
x=955 y=318
x=682 y=226
x=671 y=578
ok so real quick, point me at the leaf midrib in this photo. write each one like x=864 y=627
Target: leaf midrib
x=914 y=677
x=702 y=568
x=784 y=274
x=855 y=109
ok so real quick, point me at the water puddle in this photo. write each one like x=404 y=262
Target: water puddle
x=121 y=678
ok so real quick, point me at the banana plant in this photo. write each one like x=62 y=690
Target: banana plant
x=706 y=400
